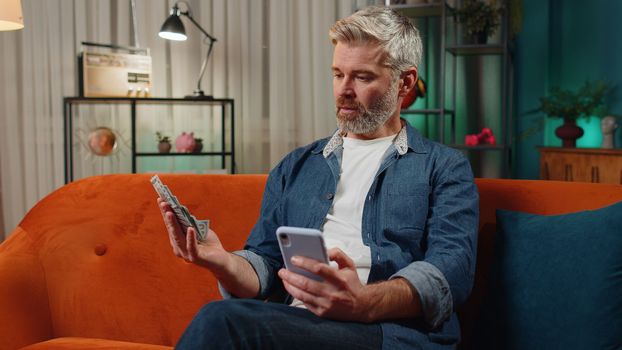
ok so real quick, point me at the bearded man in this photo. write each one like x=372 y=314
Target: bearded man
x=398 y=212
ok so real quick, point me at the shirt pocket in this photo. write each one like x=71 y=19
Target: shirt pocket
x=407 y=206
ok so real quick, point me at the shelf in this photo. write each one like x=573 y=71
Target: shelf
x=174 y=154
x=470 y=50
x=147 y=100
x=226 y=112
x=480 y=147
x=425 y=111
x=420 y=10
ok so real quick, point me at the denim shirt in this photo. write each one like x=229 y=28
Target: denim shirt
x=420 y=221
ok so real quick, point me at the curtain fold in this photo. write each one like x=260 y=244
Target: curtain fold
x=272 y=56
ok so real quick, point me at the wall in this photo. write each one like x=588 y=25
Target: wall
x=273 y=58
x=563 y=43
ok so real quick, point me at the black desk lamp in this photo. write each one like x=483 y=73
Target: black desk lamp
x=173 y=29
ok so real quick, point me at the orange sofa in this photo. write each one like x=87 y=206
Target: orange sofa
x=90 y=267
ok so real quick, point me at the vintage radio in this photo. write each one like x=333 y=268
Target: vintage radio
x=114 y=74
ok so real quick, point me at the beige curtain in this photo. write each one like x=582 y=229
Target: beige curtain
x=273 y=57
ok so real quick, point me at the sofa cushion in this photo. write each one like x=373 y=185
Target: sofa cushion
x=557 y=281
x=75 y=343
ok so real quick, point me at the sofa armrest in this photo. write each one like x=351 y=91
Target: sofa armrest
x=25 y=316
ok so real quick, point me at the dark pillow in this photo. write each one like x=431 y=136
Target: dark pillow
x=557 y=281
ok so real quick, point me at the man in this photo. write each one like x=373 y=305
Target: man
x=398 y=212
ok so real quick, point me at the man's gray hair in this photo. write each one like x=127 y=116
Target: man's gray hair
x=395 y=33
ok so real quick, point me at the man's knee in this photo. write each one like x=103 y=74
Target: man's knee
x=224 y=313
x=218 y=324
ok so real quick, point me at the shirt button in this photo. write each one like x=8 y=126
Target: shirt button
x=330 y=196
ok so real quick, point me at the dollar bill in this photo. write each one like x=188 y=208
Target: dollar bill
x=182 y=214
x=203 y=228
x=159 y=187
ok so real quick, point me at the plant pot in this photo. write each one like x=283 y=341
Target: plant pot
x=198 y=146
x=569 y=132
x=164 y=147
x=480 y=38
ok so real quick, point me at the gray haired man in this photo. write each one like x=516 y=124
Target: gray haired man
x=398 y=212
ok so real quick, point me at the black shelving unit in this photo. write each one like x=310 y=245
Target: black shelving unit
x=499 y=49
x=226 y=106
x=452 y=47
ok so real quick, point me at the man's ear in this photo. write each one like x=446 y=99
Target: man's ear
x=408 y=79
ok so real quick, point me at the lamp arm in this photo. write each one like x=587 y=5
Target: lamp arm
x=199 y=91
x=187 y=14
x=204 y=65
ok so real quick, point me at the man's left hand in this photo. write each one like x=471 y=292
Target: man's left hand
x=341 y=296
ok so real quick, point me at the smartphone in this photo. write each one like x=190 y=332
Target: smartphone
x=302 y=242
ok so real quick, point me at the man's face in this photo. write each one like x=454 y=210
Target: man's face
x=365 y=94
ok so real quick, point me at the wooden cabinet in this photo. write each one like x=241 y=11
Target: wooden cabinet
x=581 y=164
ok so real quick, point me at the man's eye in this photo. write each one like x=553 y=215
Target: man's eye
x=364 y=78
x=337 y=75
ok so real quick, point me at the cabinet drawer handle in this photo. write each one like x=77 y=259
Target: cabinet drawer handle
x=568 y=174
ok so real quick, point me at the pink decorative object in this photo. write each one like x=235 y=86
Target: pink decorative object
x=471 y=140
x=485 y=137
x=185 y=142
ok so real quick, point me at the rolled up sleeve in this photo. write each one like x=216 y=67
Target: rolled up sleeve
x=432 y=289
x=262 y=269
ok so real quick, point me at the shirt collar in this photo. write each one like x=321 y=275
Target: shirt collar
x=400 y=142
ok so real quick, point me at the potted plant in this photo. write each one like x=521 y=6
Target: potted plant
x=588 y=100
x=164 y=142
x=480 y=19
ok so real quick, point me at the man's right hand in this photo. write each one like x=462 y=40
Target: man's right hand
x=234 y=273
x=209 y=253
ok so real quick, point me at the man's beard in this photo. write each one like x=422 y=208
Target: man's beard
x=366 y=121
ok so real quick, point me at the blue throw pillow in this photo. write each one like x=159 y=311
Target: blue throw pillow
x=557 y=281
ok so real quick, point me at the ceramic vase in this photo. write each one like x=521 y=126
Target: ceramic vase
x=198 y=146
x=569 y=132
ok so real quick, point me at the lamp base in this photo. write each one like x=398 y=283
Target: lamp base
x=199 y=95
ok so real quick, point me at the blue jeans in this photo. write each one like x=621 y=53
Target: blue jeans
x=254 y=324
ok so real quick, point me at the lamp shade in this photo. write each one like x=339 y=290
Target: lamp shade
x=173 y=29
x=11 y=15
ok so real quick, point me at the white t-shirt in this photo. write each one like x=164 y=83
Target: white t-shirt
x=342 y=228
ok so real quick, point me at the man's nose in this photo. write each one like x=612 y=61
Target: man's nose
x=345 y=88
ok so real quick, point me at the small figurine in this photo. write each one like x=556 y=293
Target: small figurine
x=485 y=137
x=608 y=127
x=185 y=142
